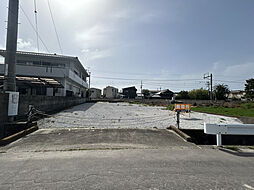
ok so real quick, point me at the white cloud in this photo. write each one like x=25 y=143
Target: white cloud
x=123 y=14
x=232 y=71
x=232 y=75
x=149 y=17
x=2 y=46
x=245 y=70
x=24 y=45
x=93 y=54
x=216 y=66
x=94 y=36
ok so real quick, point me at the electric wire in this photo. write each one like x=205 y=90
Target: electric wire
x=173 y=80
x=31 y=24
x=53 y=21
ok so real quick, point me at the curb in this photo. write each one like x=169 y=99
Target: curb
x=179 y=132
x=16 y=136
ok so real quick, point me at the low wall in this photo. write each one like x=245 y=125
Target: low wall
x=42 y=103
x=167 y=101
x=163 y=102
x=47 y=103
x=202 y=102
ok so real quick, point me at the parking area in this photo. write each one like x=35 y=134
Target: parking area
x=103 y=115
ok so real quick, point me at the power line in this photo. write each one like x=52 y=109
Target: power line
x=29 y=21
x=53 y=21
x=127 y=73
x=230 y=81
x=173 y=80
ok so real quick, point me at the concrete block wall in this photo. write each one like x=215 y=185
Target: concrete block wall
x=42 y=103
x=47 y=103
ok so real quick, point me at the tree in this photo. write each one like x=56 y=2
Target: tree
x=249 y=88
x=199 y=94
x=221 y=91
x=146 y=93
x=183 y=95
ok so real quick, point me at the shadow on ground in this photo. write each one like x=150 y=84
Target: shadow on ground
x=82 y=107
x=236 y=153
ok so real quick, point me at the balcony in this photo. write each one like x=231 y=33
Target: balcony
x=77 y=79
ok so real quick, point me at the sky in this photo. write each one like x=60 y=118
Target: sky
x=167 y=44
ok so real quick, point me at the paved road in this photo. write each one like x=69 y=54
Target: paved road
x=119 y=159
x=125 y=115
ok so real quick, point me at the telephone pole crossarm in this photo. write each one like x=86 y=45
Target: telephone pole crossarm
x=210 y=84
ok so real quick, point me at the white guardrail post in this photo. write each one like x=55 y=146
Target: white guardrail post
x=228 y=129
x=218 y=139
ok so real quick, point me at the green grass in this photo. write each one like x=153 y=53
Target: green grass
x=246 y=110
x=170 y=107
x=234 y=148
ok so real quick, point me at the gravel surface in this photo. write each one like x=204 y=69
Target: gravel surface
x=125 y=115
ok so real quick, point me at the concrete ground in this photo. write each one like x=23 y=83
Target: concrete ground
x=125 y=115
x=119 y=159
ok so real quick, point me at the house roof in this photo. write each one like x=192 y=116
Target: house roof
x=3 y=53
x=35 y=81
x=132 y=87
x=110 y=87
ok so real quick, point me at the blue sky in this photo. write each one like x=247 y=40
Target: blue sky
x=164 y=43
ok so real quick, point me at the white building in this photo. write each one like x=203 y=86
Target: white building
x=65 y=69
x=110 y=92
x=95 y=93
x=237 y=94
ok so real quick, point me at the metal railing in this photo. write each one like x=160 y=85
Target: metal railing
x=228 y=129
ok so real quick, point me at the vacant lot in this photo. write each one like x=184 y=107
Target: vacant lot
x=125 y=115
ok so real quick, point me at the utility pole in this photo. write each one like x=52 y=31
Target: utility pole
x=11 y=47
x=89 y=94
x=141 y=86
x=210 y=84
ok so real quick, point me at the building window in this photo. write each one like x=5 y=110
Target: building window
x=40 y=63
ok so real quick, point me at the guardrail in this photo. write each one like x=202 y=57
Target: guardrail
x=228 y=129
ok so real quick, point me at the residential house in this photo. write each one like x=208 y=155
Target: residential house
x=65 y=70
x=95 y=93
x=236 y=94
x=130 y=92
x=110 y=92
x=164 y=94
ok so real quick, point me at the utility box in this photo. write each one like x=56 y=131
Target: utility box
x=13 y=103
